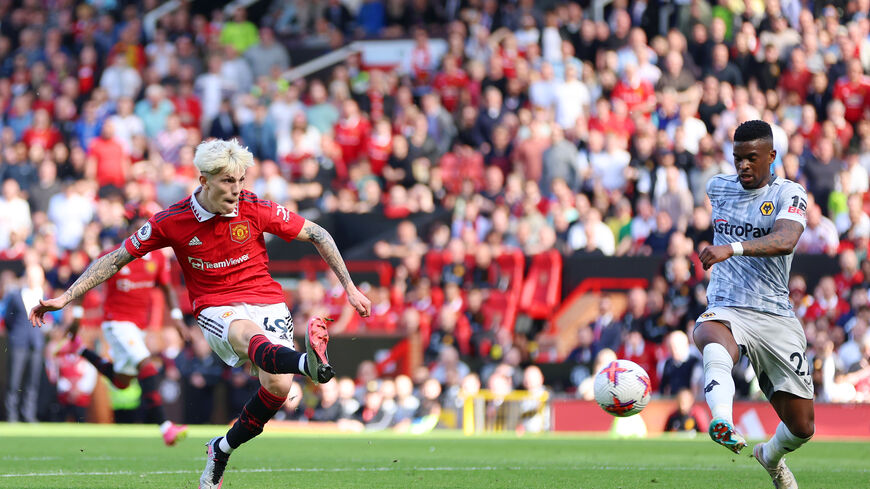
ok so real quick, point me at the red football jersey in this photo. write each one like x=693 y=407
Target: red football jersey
x=855 y=96
x=223 y=257
x=128 y=292
x=351 y=136
x=450 y=87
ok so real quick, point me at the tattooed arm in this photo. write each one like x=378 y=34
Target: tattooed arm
x=322 y=240
x=99 y=271
x=781 y=241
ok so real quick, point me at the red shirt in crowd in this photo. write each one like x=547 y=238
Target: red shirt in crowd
x=855 y=96
x=636 y=98
x=46 y=138
x=378 y=150
x=189 y=110
x=223 y=257
x=796 y=81
x=129 y=292
x=351 y=136
x=811 y=134
x=110 y=159
x=449 y=86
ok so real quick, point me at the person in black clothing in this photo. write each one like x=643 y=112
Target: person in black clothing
x=683 y=418
x=681 y=370
x=769 y=70
x=820 y=95
x=328 y=408
x=25 y=346
x=201 y=370
x=722 y=68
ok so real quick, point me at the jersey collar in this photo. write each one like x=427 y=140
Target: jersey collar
x=199 y=211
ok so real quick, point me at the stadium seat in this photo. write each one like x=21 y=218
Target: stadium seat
x=542 y=287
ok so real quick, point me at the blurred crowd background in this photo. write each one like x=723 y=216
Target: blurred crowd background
x=566 y=127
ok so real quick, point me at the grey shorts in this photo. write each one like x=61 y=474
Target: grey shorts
x=776 y=347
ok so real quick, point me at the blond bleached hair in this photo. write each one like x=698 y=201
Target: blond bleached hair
x=217 y=156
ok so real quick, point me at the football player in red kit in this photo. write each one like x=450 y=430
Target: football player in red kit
x=217 y=236
x=126 y=309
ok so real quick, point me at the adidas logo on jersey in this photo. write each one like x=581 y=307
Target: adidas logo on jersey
x=194 y=242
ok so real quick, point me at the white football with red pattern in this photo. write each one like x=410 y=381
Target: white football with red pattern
x=622 y=388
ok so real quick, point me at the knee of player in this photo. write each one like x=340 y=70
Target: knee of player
x=805 y=429
x=278 y=385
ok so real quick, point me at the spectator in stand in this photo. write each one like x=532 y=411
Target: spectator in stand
x=820 y=235
x=637 y=350
x=240 y=33
x=267 y=55
x=823 y=172
x=25 y=346
x=686 y=418
x=854 y=91
x=15 y=216
x=108 y=164
x=491 y=115
x=680 y=370
x=120 y=79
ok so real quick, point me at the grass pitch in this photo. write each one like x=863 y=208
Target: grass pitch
x=116 y=456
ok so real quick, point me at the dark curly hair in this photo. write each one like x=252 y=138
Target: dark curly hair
x=752 y=130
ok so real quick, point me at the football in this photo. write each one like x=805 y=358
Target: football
x=622 y=388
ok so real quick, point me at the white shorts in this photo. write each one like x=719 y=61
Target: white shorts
x=776 y=347
x=126 y=346
x=273 y=319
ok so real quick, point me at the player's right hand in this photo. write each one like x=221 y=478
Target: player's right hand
x=37 y=314
x=711 y=255
x=359 y=301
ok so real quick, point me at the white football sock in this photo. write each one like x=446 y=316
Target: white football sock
x=783 y=441
x=303 y=361
x=718 y=384
x=165 y=426
x=225 y=446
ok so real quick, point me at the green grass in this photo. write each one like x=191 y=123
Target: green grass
x=111 y=456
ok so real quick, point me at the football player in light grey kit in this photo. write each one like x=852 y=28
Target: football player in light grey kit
x=757 y=221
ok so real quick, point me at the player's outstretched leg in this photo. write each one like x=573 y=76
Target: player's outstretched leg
x=105 y=367
x=274 y=358
x=779 y=472
x=215 y=464
x=257 y=411
x=719 y=393
x=723 y=432
x=316 y=338
x=153 y=403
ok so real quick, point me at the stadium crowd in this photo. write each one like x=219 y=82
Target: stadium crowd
x=540 y=128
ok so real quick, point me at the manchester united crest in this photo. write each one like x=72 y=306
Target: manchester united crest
x=239 y=231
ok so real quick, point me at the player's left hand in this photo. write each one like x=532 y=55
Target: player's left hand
x=714 y=254
x=37 y=314
x=359 y=301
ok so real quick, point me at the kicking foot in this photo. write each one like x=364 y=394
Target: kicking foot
x=71 y=347
x=723 y=433
x=215 y=464
x=316 y=338
x=780 y=474
x=174 y=433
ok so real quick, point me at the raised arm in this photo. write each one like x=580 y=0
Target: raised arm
x=781 y=241
x=322 y=240
x=99 y=271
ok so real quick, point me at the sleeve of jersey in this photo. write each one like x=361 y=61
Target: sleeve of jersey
x=280 y=221
x=792 y=204
x=148 y=238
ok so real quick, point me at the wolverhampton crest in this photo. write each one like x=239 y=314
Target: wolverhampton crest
x=239 y=231
x=767 y=208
